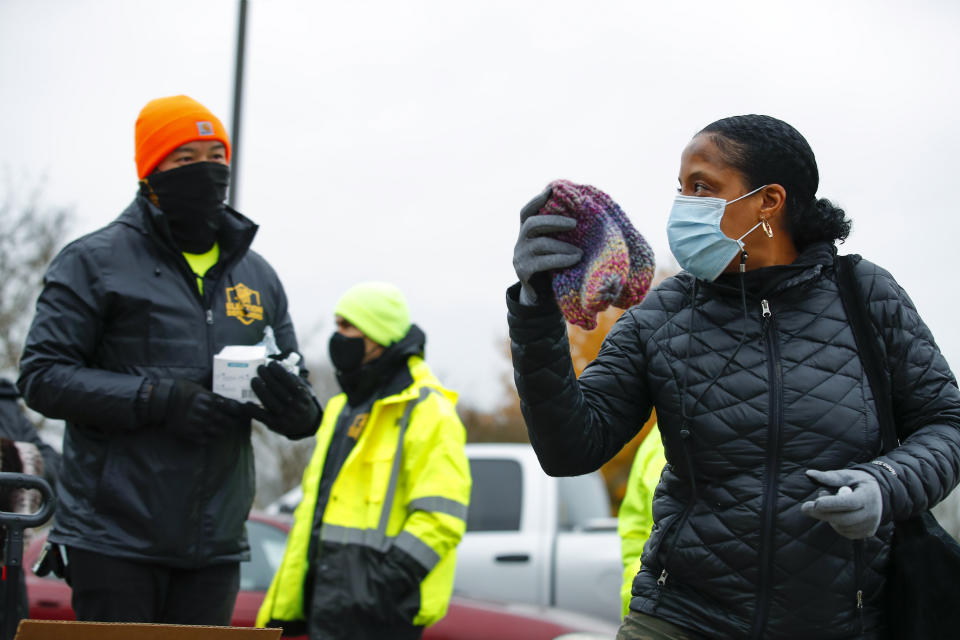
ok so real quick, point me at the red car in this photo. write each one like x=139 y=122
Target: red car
x=466 y=619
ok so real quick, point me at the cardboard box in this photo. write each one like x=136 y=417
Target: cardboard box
x=233 y=369
x=64 y=630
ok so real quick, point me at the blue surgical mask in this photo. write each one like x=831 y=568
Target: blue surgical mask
x=696 y=240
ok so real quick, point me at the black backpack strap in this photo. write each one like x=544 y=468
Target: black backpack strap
x=867 y=344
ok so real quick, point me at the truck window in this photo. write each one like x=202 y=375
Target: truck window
x=495 y=498
x=582 y=499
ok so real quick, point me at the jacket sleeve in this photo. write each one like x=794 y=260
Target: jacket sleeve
x=438 y=476
x=57 y=374
x=575 y=425
x=926 y=403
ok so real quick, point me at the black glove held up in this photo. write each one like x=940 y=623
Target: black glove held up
x=289 y=408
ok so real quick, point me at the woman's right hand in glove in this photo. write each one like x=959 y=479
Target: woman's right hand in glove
x=536 y=253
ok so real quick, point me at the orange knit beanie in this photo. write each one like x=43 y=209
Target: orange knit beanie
x=167 y=123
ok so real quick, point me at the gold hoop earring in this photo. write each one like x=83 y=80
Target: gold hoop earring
x=767 y=229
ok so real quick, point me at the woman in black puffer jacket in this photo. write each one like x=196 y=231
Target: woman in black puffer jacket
x=761 y=397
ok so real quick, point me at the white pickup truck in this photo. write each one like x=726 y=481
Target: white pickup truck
x=531 y=538
x=536 y=539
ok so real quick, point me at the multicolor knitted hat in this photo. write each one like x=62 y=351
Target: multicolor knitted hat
x=617 y=265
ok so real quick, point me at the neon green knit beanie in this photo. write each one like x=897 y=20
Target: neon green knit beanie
x=378 y=309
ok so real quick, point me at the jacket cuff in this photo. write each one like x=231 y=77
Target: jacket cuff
x=542 y=324
x=289 y=627
x=545 y=305
x=406 y=563
x=886 y=476
x=153 y=400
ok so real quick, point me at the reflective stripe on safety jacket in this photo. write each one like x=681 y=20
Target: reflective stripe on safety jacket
x=406 y=483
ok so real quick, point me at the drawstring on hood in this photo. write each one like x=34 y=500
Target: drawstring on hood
x=686 y=430
x=768 y=280
x=760 y=282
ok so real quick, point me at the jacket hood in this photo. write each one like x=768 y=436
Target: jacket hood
x=236 y=234
x=389 y=373
x=760 y=282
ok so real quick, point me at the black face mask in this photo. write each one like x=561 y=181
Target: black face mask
x=192 y=198
x=347 y=354
x=363 y=380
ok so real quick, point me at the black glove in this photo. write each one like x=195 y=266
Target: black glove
x=401 y=566
x=189 y=411
x=289 y=407
x=52 y=559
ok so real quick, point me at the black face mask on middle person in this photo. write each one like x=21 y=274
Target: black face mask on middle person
x=358 y=380
x=347 y=353
x=192 y=198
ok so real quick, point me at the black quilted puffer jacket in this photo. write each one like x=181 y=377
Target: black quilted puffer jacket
x=754 y=381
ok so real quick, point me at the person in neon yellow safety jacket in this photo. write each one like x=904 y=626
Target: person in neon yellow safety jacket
x=372 y=550
x=635 y=518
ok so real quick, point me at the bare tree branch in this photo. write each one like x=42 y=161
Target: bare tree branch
x=30 y=234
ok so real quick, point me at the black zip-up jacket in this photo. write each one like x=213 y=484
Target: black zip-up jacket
x=752 y=386
x=120 y=309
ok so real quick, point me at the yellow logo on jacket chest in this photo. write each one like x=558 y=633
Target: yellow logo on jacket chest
x=243 y=303
x=357 y=427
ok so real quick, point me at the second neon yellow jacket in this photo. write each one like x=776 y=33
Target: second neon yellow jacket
x=635 y=518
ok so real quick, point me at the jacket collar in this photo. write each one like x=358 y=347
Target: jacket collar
x=419 y=375
x=236 y=235
x=393 y=373
x=411 y=372
x=807 y=266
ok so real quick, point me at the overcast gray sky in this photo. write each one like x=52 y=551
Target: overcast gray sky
x=397 y=140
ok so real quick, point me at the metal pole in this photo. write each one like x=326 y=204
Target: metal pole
x=237 y=105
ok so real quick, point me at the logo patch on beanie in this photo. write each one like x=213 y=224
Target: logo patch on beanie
x=204 y=128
